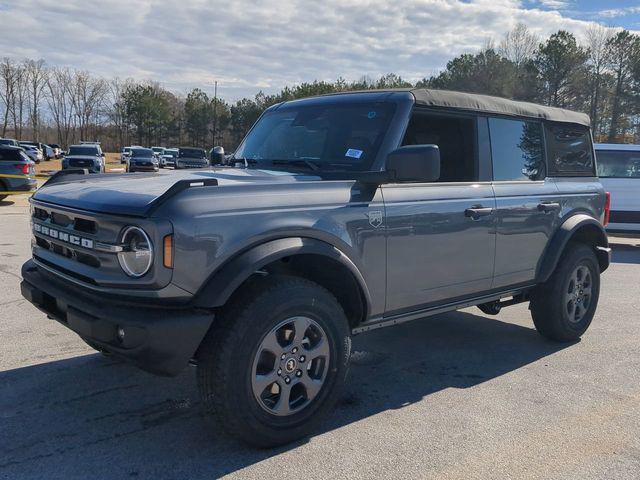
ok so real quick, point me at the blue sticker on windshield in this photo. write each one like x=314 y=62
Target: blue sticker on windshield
x=353 y=153
x=371 y=115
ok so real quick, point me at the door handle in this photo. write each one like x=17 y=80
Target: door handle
x=548 y=207
x=476 y=212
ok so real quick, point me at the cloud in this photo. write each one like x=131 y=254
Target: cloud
x=248 y=45
x=618 y=12
x=555 y=4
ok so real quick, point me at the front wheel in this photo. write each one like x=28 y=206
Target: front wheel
x=275 y=364
x=563 y=307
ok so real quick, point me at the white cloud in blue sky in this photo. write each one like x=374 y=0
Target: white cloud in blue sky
x=248 y=45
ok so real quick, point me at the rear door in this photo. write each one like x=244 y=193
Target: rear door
x=440 y=236
x=527 y=199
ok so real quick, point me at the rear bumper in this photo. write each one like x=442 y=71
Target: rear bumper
x=160 y=340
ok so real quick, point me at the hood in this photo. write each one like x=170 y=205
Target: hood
x=136 y=194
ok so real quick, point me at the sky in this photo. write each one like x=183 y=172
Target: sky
x=252 y=45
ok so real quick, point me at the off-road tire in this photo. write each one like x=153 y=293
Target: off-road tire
x=548 y=301
x=226 y=355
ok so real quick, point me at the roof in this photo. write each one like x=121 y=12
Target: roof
x=501 y=106
x=620 y=147
x=485 y=103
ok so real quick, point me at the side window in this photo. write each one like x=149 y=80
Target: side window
x=618 y=164
x=455 y=136
x=570 y=150
x=517 y=149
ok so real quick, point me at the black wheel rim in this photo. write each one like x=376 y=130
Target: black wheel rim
x=290 y=366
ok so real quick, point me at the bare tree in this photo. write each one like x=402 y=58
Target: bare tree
x=59 y=100
x=88 y=97
x=519 y=45
x=596 y=40
x=35 y=73
x=18 y=106
x=8 y=79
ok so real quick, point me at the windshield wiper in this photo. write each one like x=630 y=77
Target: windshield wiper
x=297 y=162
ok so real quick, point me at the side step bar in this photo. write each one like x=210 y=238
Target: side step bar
x=520 y=295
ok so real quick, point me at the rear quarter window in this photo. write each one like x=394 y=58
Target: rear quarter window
x=570 y=150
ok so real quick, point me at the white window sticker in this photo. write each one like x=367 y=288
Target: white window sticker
x=353 y=153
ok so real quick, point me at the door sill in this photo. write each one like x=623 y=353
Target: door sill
x=389 y=321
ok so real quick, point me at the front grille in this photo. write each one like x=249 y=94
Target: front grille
x=80 y=163
x=68 y=252
x=84 y=225
x=61 y=219
x=60 y=269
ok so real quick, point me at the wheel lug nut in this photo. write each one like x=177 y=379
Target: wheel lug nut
x=279 y=371
x=295 y=350
x=302 y=358
x=287 y=380
x=284 y=355
x=299 y=373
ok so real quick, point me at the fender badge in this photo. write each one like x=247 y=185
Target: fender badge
x=375 y=218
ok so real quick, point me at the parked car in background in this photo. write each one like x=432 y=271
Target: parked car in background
x=40 y=146
x=9 y=141
x=14 y=161
x=619 y=172
x=34 y=153
x=142 y=160
x=86 y=155
x=169 y=157
x=57 y=151
x=189 y=157
x=48 y=152
x=125 y=154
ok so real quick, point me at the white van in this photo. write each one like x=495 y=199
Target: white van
x=619 y=172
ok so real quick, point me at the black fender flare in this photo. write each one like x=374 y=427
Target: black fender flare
x=571 y=227
x=225 y=280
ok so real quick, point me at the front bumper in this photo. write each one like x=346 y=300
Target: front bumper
x=158 y=339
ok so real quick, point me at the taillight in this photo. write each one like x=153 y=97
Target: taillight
x=607 y=209
x=24 y=168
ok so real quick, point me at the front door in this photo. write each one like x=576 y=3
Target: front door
x=440 y=242
x=440 y=236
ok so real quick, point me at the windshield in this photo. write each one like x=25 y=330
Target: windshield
x=141 y=153
x=83 y=151
x=157 y=149
x=329 y=137
x=191 y=153
x=618 y=164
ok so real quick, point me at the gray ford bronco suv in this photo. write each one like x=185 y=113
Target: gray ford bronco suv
x=338 y=214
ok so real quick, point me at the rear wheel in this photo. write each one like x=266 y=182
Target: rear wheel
x=275 y=364
x=563 y=307
x=2 y=189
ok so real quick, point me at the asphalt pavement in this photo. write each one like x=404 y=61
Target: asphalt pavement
x=455 y=396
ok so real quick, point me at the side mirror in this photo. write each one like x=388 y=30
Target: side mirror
x=217 y=156
x=414 y=163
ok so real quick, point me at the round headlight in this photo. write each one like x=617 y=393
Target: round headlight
x=137 y=255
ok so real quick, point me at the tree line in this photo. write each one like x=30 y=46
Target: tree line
x=598 y=74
